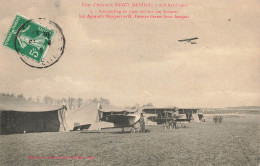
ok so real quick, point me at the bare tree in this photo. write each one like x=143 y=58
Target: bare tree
x=71 y=102
x=38 y=100
x=12 y=95
x=47 y=100
x=29 y=99
x=104 y=101
x=63 y=99
x=148 y=105
x=80 y=101
x=20 y=96
x=95 y=100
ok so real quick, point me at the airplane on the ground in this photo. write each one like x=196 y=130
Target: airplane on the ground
x=164 y=115
x=182 y=119
x=189 y=40
x=121 y=119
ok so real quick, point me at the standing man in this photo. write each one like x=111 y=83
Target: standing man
x=174 y=118
x=216 y=119
x=142 y=124
x=170 y=122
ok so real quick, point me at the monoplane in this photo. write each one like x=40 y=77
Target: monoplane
x=121 y=119
x=189 y=40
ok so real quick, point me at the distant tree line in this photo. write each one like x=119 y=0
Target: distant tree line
x=71 y=102
x=8 y=94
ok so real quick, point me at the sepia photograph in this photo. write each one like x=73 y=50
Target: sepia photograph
x=147 y=82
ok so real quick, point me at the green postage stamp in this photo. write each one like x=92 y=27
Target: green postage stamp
x=28 y=38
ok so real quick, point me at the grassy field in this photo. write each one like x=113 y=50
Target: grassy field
x=234 y=142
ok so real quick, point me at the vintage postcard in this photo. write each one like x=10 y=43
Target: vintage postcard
x=147 y=82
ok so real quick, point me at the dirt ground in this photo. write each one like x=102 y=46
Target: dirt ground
x=234 y=142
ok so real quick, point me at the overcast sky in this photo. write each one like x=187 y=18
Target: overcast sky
x=140 y=60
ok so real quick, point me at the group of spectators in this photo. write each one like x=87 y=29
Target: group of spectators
x=171 y=122
x=218 y=119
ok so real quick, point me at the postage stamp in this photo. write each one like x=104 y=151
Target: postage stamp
x=39 y=42
x=32 y=40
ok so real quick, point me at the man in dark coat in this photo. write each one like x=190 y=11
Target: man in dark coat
x=142 y=124
x=216 y=119
x=174 y=119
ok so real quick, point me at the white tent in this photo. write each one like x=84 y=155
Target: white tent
x=88 y=115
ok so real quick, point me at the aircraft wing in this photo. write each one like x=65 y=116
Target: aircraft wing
x=159 y=120
x=194 y=38
x=121 y=120
x=183 y=40
x=183 y=118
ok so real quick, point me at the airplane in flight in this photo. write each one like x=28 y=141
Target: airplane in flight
x=189 y=40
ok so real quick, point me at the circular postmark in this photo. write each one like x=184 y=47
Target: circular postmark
x=40 y=43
